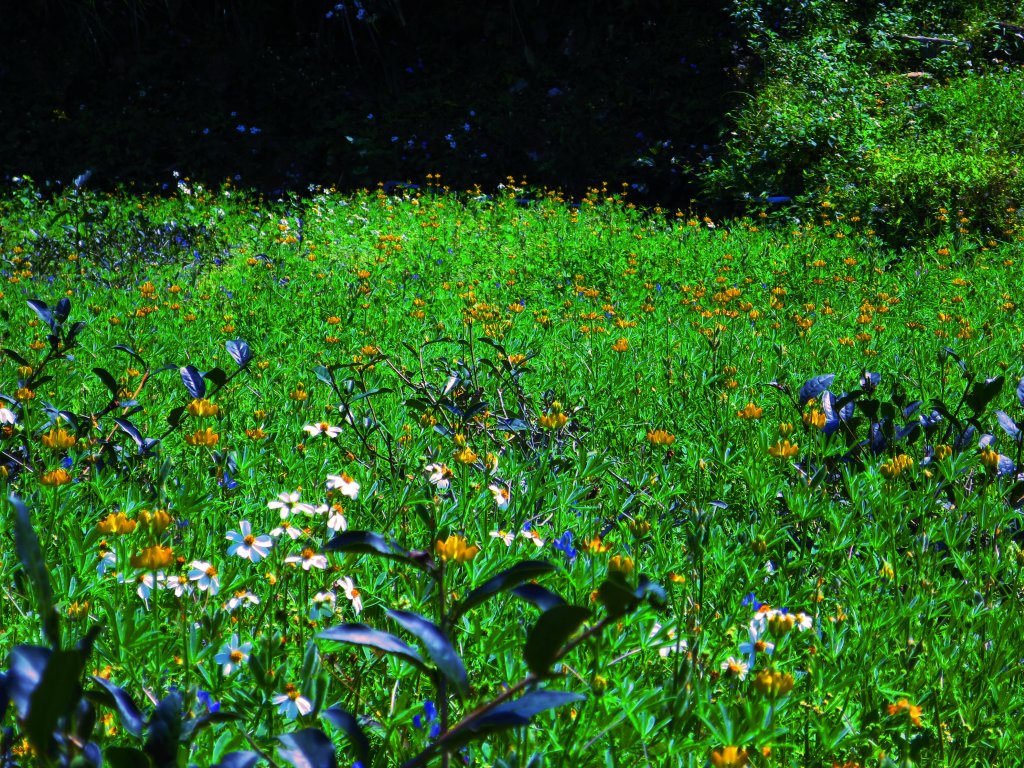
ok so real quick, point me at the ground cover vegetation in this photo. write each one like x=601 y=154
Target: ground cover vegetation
x=411 y=477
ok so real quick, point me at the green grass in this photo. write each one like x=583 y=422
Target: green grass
x=552 y=342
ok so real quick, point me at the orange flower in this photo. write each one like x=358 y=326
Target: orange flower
x=203 y=408
x=55 y=477
x=773 y=684
x=202 y=437
x=621 y=345
x=729 y=757
x=751 y=411
x=660 y=437
x=58 y=440
x=115 y=523
x=914 y=712
x=783 y=449
x=153 y=558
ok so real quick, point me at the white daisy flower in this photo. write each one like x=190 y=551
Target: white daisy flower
x=351 y=593
x=439 y=475
x=344 y=483
x=500 y=494
x=205 y=576
x=232 y=655
x=287 y=504
x=286 y=527
x=337 y=522
x=322 y=428
x=505 y=536
x=309 y=558
x=246 y=545
x=179 y=585
x=292 y=703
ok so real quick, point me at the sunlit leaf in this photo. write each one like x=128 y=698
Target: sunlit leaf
x=360 y=634
x=438 y=646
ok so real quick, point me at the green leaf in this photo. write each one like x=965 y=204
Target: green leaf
x=814 y=387
x=131 y=718
x=438 y=646
x=515 y=713
x=308 y=748
x=548 y=635
x=193 y=381
x=543 y=598
x=340 y=718
x=55 y=696
x=507 y=579
x=360 y=634
x=26 y=544
x=370 y=543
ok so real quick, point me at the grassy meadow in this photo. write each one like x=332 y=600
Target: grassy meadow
x=493 y=478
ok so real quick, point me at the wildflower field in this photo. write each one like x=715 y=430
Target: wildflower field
x=411 y=477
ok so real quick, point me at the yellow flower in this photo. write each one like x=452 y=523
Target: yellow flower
x=773 y=684
x=595 y=546
x=153 y=558
x=455 y=548
x=783 y=449
x=729 y=757
x=115 y=523
x=23 y=394
x=942 y=452
x=58 y=440
x=465 y=456
x=751 y=411
x=203 y=437
x=990 y=459
x=621 y=345
x=299 y=393
x=203 y=408
x=552 y=420
x=660 y=437
x=621 y=564
x=157 y=521
x=785 y=429
x=55 y=477
x=813 y=418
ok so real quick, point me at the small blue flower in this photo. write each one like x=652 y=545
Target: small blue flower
x=67 y=462
x=207 y=701
x=751 y=601
x=429 y=716
x=564 y=544
x=240 y=128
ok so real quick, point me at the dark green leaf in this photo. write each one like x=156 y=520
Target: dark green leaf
x=241 y=759
x=108 y=381
x=165 y=732
x=515 y=713
x=507 y=579
x=1009 y=425
x=130 y=430
x=216 y=375
x=982 y=393
x=438 y=646
x=548 y=635
x=543 y=598
x=63 y=310
x=325 y=376
x=370 y=393
x=131 y=718
x=125 y=757
x=26 y=544
x=239 y=352
x=370 y=543
x=1020 y=392
x=193 y=381
x=814 y=387
x=55 y=696
x=308 y=748
x=41 y=309
x=22 y=361
x=360 y=634
x=340 y=718
x=175 y=416
x=26 y=665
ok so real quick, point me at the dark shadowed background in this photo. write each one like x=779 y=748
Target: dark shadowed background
x=283 y=94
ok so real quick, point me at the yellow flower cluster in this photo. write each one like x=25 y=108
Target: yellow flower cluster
x=455 y=549
x=896 y=466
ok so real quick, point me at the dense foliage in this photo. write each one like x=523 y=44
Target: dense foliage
x=409 y=477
